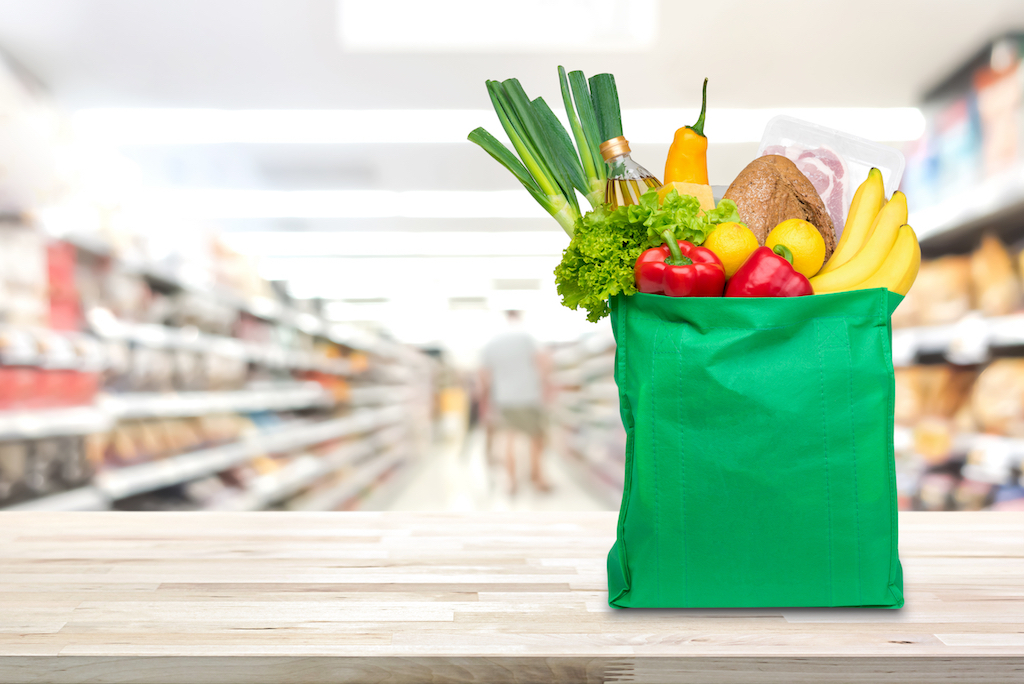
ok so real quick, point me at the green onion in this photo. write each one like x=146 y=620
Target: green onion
x=561 y=144
x=606 y=105
x=584 y=129
x=544 y=145
x=504 y=157
x=548 y=165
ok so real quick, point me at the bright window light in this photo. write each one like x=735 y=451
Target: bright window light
x=358 y=278
x=254 y=204
x=397 y=243
x=123 y=127
x=448 y=26
x=886 y=124
x=278 y=126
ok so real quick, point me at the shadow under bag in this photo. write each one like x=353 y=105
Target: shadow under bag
x=759 y=452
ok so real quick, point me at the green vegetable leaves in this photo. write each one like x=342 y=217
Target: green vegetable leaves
x=725 y=212
x=551 y=169
x=598 y=262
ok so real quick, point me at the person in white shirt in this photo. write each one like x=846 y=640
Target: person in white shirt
x=513 y=381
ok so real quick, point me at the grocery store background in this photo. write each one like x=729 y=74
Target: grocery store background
x=248 y=259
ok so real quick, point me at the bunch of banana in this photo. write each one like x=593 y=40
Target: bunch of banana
x=877 y=247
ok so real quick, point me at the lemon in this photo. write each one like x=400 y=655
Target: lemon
x=803 y=240
x=732 y=243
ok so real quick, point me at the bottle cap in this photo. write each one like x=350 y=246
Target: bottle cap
x=615 y=147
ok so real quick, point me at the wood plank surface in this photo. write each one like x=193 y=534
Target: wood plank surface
x=292 y=598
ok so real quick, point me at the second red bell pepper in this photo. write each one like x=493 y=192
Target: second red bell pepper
x=679 y=269
x=768 y=273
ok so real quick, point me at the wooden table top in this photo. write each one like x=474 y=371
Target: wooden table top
x=410 y=597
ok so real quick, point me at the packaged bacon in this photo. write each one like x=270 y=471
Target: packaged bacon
x=835 y=162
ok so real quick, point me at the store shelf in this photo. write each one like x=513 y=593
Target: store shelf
x=598 y=342
x=968 y=341
x=260 y=307
x=306 y=470
x=168 y=404
x=598 y=479
x=83 y=420
x=82 y=499
x=972 y=208
x=127 y=481
x=990 y=458
x=380 y=394
x=350 y=488
x=586 y=409
x=189 y=339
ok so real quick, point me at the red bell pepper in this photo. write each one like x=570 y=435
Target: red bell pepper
x=768 y=273
x=679 y=269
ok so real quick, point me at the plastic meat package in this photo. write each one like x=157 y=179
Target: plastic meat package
x=835 y=162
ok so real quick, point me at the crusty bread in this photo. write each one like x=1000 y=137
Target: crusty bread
x=997 y=290
x=770 y=190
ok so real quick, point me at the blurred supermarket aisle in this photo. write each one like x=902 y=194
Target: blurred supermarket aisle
x=459 y=478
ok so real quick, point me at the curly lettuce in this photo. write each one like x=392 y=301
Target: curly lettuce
x=598 y=263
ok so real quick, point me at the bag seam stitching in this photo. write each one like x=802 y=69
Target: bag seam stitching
x=828 y=493
x=655 y=319
x=622 y=314
x=682 y=492
x=890 y=465
x=856 y=496
x=657 y=488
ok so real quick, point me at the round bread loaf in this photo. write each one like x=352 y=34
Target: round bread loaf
x=770 y=190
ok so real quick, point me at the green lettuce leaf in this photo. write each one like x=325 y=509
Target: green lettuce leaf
x=598 y=262
x=725 y=212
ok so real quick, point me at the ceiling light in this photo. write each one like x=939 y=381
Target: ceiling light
x=358 y=278
x=121 y=127
x=397 y=244
x=884 y=124
x=516 y=283
x=187 y=203
x=447 y=26
x=278 y=126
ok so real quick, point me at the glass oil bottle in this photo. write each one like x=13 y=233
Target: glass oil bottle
x=627 y=180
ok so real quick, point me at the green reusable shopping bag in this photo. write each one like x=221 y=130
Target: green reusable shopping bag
x=759 y=454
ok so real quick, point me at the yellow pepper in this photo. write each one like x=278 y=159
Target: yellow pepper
x=688 y=155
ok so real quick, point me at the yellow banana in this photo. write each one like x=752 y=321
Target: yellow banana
x=898 y=271
x=867 y=202
x=870 y=257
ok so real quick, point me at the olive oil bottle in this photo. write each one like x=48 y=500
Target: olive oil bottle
x=627 y=180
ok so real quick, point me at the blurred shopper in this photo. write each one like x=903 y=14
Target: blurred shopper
x=512 y=379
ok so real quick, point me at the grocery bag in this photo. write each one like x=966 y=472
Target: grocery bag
x=759 y=452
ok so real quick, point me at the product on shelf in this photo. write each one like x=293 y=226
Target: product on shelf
x=973 y=131
x=987 y=281
x=24 y=300
x=65 y=309
x=943 y=294
x=19 y=372
x=995 y=283
x=997 y=399
x=966 y=426
x=33 y=468
x=13 y=469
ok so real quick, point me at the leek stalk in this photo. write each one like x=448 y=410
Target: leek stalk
x=548 y=165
